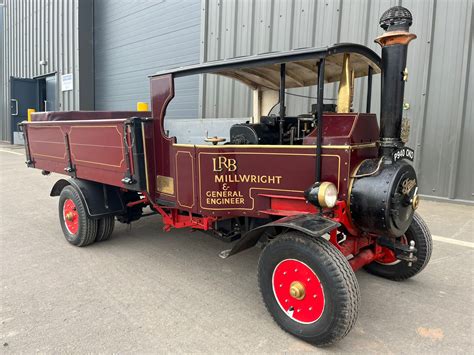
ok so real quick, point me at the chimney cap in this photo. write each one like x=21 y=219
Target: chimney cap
x=397 y=18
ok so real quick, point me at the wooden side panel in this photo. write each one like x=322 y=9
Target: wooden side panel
x=95 y=146
x=185 y=173
x=96 y=149
x=47 y=147
x=232 y=181
x=346 y=129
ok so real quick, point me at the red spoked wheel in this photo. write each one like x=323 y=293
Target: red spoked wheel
x=78 y=228
x=70 y=216
x=298 y=291
x=308 y=287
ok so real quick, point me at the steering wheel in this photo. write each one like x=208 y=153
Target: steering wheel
x=214 y=140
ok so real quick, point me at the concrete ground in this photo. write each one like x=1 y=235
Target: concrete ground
x=150 y=291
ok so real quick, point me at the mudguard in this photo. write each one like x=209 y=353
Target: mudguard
x=100 y=200
x=313 y=225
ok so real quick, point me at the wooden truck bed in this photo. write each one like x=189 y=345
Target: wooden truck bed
x=107 y=150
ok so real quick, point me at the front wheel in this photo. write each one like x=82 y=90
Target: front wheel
x=392 y=268
x=309 y=288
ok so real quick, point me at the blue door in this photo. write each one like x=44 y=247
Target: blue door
x=24 y=94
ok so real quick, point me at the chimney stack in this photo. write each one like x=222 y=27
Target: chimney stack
x=396 y=22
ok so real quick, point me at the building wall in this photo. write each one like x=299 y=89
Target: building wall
x=111 y=46
x=2 y=80
x=47 y=30
x=439 y=63
x=134 y=39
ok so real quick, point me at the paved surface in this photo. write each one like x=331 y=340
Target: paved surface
x=150 y=291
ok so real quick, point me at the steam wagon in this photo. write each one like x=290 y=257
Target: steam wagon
x=324 y=193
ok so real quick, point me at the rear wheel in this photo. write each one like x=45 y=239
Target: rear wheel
x=78 y=228
x=392 y=268
x=105 y=228
x=309 y=288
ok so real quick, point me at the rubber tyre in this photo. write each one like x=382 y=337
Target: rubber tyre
x=105 y=227
x=340 y=287
x=87 y=227
x=419 y=232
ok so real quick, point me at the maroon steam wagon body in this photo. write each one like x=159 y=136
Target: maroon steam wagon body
x=324 y=193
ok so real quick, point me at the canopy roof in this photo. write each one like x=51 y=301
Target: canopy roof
x=263 y=71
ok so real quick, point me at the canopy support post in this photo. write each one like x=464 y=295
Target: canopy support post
x=257 y=105
x=369 y=89
x=320 y=107
x=282 y=99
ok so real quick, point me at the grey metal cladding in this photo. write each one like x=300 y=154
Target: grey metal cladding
x=134 y=39
x=446 y=159
x=439 y=89
x=3 y=128
x=35 y=31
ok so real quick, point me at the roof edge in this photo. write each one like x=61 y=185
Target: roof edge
x=273 y=58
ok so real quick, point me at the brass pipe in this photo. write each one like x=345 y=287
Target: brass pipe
x=346 y=86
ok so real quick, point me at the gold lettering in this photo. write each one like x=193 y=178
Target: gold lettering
x=222 y=162
x=246 y=178
x=231 y=164
x=407 y=185
x=219 y=198
x=215 y=166
x=219 y=163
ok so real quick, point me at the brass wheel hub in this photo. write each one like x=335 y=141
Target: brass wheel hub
x=415 y=201
x=69 y=216
x=297 y=290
